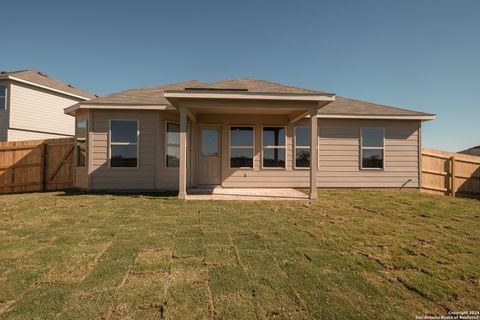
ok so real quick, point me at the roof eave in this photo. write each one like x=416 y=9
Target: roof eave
x=426 y=117
x=9 y=77
x=81 y=106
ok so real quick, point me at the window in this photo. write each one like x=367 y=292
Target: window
x=123 y=143
x=81 y=143
x=3 y=97
x=302 y=147
x=210 y=145
x=274 y=147
x=372 y=148
x=172 y=148
x=241 y=147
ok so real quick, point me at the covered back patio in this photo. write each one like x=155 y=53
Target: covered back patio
x=217 y=123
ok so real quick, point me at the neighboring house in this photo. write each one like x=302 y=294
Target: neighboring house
x=475 y=151
x=243 y=133
x=32 y=103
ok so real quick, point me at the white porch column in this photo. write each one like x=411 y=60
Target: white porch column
x=313 y=153
x=182 y=170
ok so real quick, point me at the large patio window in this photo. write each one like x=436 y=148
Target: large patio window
x=241 y=147
x=372 y=148
x=81 y=143
x=172 y=145
x=124 y=143
x=274 y=147
x=302 y=147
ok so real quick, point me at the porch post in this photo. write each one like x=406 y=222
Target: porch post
x=182 y=170
x=313 y=154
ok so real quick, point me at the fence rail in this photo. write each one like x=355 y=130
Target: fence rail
x=450 y=173
x=36 y=165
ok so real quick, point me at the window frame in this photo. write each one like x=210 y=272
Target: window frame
x=241 y=147
x=86 y=143
x=123 y=144
x=273 y=147
x=5 y=97
x=372 y=148
x=301 y=147
x=166 y=144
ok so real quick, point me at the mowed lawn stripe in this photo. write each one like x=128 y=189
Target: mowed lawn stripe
x=349 y=255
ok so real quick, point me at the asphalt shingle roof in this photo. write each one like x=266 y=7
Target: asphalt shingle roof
x=342 y=106
x=46 y=81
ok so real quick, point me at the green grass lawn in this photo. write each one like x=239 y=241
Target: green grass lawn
x=351 y=254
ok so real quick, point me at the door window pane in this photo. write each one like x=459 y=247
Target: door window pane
x=210 y=142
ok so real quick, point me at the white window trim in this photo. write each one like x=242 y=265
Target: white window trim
x=123 y=143
x=86 y=143
x=300 y=147
x=5 y=97
x=372 y=148
x=274 y=147
x=240 y=147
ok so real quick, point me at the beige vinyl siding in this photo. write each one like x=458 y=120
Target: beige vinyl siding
x=18 y=135
x=339 y=154
x=39 y=110
x=104 y=177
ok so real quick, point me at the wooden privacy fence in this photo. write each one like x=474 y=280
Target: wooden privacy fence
x=36 y=165
x=450 y=173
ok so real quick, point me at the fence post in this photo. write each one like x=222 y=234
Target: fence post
x=43 y=167
x=452 y=176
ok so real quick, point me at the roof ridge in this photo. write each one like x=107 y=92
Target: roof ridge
x=271 y=82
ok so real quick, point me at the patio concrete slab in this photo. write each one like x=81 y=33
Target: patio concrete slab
x=250 y=194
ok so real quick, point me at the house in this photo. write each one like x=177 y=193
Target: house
x=32 y=103
x=243 y=133
x=475 y=151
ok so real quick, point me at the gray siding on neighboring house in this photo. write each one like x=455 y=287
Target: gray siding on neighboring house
x=36 y=113
x=4 y=115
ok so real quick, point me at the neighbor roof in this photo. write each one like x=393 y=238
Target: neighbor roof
x=154 y=96
x=41 y=79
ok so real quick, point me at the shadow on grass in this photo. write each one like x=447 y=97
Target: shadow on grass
x=133 y=194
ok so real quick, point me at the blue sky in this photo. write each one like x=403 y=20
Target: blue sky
x=423 y=55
